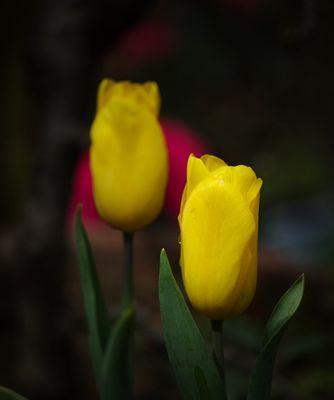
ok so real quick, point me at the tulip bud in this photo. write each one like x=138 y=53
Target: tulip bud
x=218 y=231
x=128 y=155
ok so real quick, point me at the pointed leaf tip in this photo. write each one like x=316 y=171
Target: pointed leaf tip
x=78 y=211
x=163 y=253
x=260 y=382
x=285 y=308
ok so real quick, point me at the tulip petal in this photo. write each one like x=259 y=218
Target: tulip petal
x=146 y=95
x=153 y=96
x=196 y=172
x=104 y=92
x=246 y=284
x=216 y=229
x=254 y=190
x=129 y=161
x=212 y=163
x=240 y=177
x=183 y=201
x=248 y=276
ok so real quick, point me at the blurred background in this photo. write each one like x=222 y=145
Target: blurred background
x=250 y=81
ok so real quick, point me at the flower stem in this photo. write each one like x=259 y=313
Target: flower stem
x=128 y=285
x=128 y=301
x=218 y=348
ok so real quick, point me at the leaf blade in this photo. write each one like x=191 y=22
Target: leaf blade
x=194 y=366
x=116 y=376
x=7 y=394
x=260 y=381
x=94 y=303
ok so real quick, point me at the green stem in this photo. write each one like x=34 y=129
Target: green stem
x=128 y=286
x=128 y=301
x=218 y=348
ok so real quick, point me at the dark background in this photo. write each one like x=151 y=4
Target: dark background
x=254 y=78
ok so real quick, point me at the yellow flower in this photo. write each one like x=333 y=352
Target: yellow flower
x=219 y=228
x=128 y=154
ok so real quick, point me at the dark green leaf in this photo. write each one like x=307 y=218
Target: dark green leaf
x=95 y=306
x=194 y=366
x=260 y=382
x=116 y=379
x=7 y=394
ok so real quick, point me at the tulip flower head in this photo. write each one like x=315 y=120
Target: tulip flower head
x=218 y=231
x=128 y=155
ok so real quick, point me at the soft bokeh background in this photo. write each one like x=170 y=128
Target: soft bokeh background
x=248 y=80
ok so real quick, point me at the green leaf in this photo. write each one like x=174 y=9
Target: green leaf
x=260 y=382
x=95 y=306
x=7 y=394
x=116 y=378
x=194 y=366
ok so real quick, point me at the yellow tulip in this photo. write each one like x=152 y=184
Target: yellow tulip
x=218 y=232
x=128 y=154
